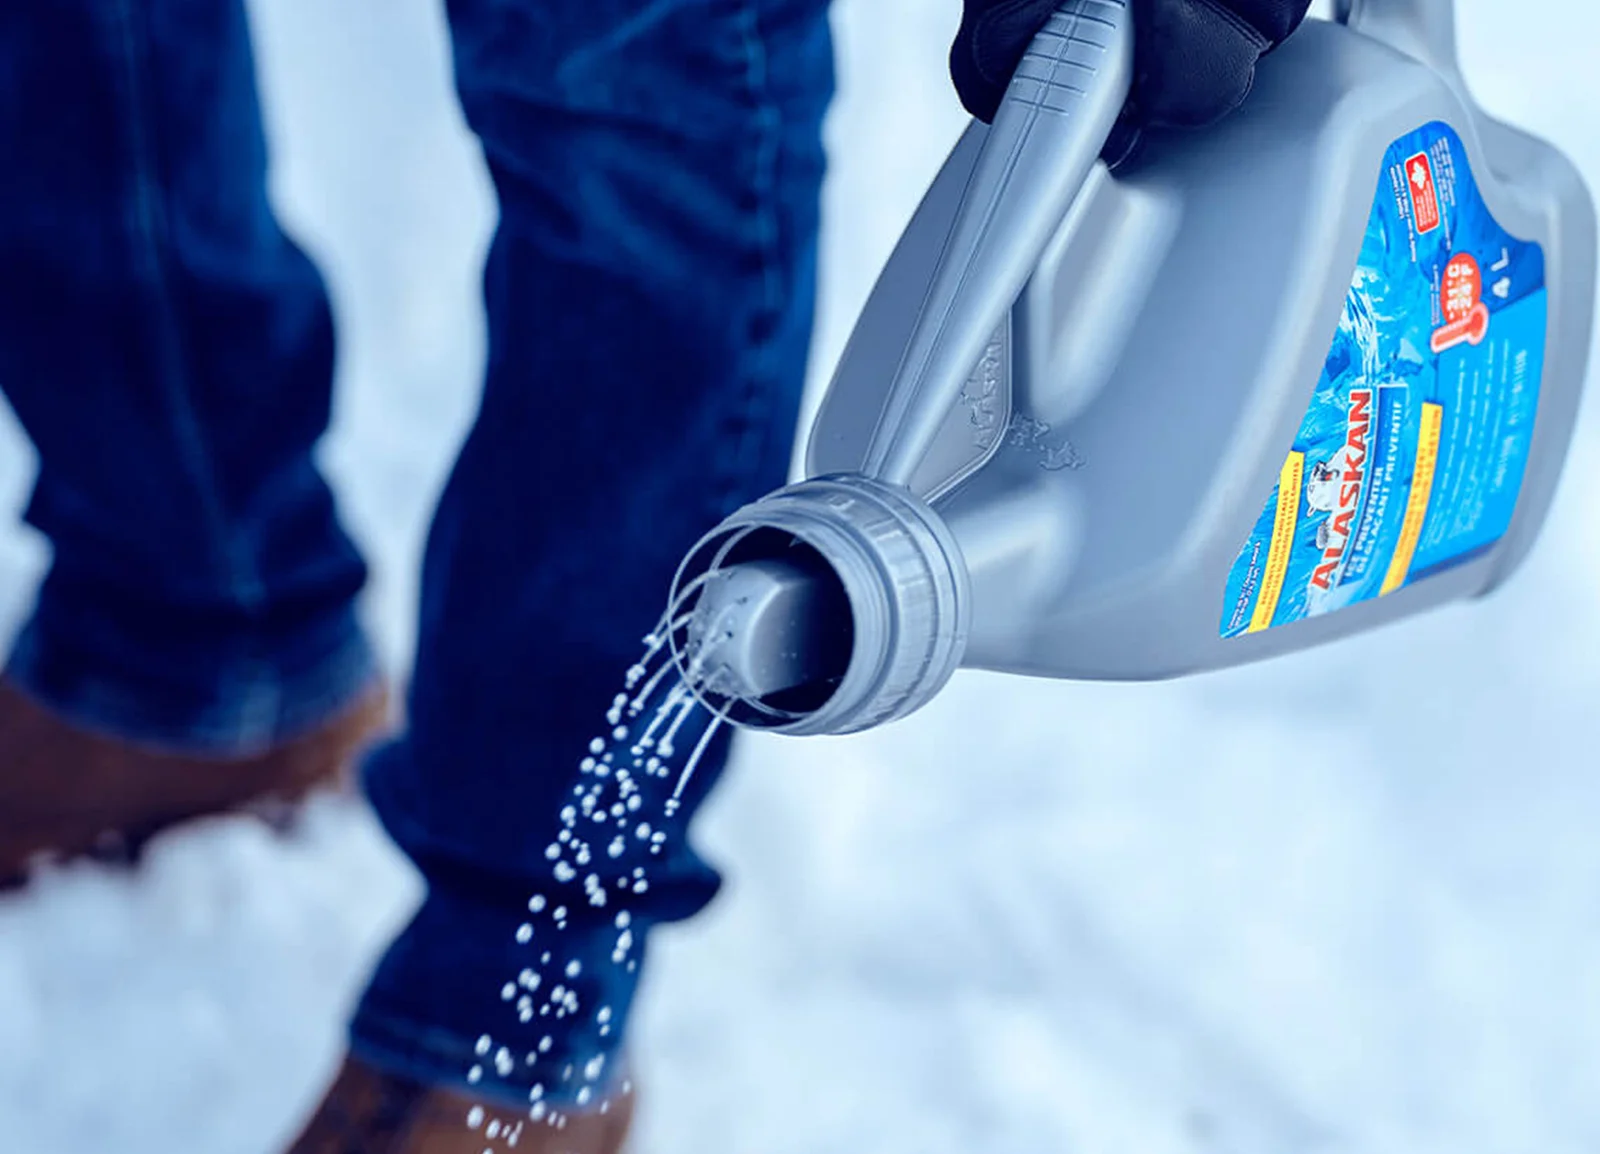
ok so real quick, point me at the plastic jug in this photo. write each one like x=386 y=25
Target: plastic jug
x=1292 y=377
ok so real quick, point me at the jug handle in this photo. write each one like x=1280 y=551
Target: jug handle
x=1423 y=29
x=1046 y=138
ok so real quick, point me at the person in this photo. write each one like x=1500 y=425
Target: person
x=194 y=646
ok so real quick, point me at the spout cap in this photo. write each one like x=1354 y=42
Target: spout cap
x=828 y=607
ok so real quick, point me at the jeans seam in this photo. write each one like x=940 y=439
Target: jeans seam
x=744 y=428
x=150 y=222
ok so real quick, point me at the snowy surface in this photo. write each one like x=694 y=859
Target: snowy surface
x=1349 y=901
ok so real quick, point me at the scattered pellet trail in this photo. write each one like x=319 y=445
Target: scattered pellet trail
x=618 y=811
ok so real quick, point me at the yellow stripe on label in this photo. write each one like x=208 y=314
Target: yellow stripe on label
x=1290 y=484
x=1421 y=497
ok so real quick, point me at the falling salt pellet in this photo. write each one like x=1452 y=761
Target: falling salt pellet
x=544 y=958
x=475 y=1074
x=508 y=991
x=616 y=847
x=564 y=872
x=574 y=968
x=619 y=732
x=537 y=1111
x=625 y=941
x=640 y=886
x=584 y=1094
x=545 y=1043
x=597 y=898
x=528 y=979
x=493 y=1131
x=642 y=831
x=561 y=913
x=524 y=934
x=658 y=837
x=634 y=802
x=624 y=919
x=484 y=1043
x=596 y=1064
x=503 y=1064
x=475 y=1117
x=583 y=857
x=598 y=745
x=603 y=1015
x=552 y=851
x=586 y=765
x=568 y=814
x=536 y=903
x=537 y=1092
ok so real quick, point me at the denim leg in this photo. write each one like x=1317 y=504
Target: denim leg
x=650 y=294
x=170 y=353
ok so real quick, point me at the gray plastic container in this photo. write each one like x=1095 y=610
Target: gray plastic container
x=1063 y=439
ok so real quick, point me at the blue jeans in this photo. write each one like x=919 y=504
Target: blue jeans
x=170 y=352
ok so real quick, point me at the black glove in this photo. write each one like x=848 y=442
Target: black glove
x=1194 y=60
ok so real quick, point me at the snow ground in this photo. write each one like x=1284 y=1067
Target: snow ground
x=1036 y=917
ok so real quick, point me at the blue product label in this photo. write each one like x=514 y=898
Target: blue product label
x=1411 y=458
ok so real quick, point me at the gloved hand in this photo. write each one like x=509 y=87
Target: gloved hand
x=1194 y=60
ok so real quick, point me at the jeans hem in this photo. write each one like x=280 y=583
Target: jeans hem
x=435 y=1057
x=254 y=712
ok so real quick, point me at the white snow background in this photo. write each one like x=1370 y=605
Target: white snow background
x=1348 y=901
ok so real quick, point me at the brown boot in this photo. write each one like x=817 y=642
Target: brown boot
x=66 y=792
x=370 y=1112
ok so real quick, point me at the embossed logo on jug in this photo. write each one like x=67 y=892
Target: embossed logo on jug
x=985 y=404
x=1054 y=450
x=981 y=393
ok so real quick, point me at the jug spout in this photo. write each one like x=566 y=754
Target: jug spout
x=832 y=606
